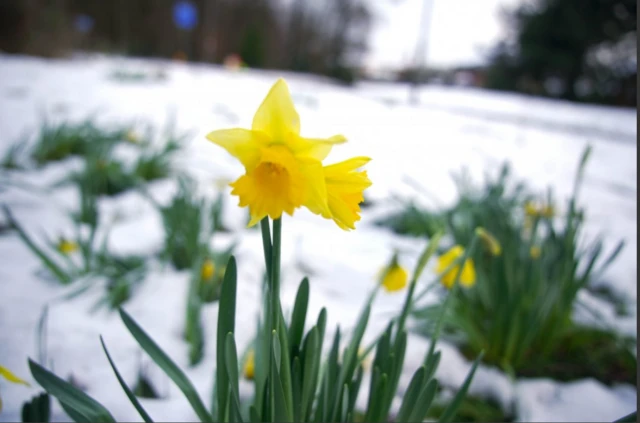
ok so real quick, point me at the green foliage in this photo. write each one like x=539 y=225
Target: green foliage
x=292 y=382
x=561 y=39
x=58 y=142
x=474 y=409
x=87 y=264
x=252 y=49
x=15 y=156
x=189 y=223
x=520 y=310
x=38 y=409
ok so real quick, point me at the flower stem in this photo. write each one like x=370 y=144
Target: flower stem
x=266 y=245
x=275 y=274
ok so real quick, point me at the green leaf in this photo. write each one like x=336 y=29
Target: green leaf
x=70 y=395
x=226 y=324
x=424 y=401
x=633 y=417
x=432 y=365
x=57 y=271
x=74 y=414
x=411 y=395
x=350 y=359
x=167 y=365
x=296 y=389
x=449 y=413
x=38 y=409
x=280 y=411
x=231 y=367
x=310 y=374
x=254 y=417
x=299 y=315
x=124 y=386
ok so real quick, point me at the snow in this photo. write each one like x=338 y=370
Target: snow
x=450 y=129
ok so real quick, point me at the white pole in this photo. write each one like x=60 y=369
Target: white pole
x=421 y=49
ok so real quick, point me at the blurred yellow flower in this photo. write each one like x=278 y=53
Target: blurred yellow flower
x=283 y=170
x=249 y=365
x=490 y=242
x=546 y=211
x=132 y=137
x=207 y=270
x=468 y=275
x=534 y=252
x=394 y=277
x=66 y=247
x=366 y=360
x=8 y=375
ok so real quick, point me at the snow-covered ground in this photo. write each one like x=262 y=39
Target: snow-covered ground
x=450 y=129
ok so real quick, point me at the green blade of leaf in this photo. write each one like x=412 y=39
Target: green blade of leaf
x=449 y=413
x=74 y=414
x=231 y=359
x=423 y=403
x=226 y=324
x=299 y=315
x=411 y=395
x=310 y=372
x=633 y=417
x=72 y=396
x=167 y=365
x=62 y=276
x=124 y=386
x=280 y=412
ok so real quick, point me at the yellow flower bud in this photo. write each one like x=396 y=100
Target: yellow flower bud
x=249 y=365
x=490 y=242
x=207 y=270
x=394 y=277
x=67 y=247
x=534 y=252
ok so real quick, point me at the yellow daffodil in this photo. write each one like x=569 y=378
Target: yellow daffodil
x=490 y=242
x=283 y=170
x=249 y=365
x=67 y=247
x=534 y=252
x=394 y=277
x=468 y=275
x=207 y=270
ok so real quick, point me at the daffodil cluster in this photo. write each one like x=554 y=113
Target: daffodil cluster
x=284 y=170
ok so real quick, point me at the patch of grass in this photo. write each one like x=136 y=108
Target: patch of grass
x=60 y=141
x=586 y=352
x=15 y=157
x=521 y=307
x=473 y=409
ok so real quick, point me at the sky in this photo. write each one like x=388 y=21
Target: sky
x=458 y=30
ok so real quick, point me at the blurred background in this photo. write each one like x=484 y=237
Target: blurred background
x=517 y=116
x=578 y=50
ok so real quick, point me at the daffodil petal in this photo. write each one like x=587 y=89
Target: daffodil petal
x=242 y=144
x=277 y=116
x=315 y=148
x=7 y=374
x=345 y=186
x=315 y=198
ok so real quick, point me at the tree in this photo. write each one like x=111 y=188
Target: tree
x=557 y=38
